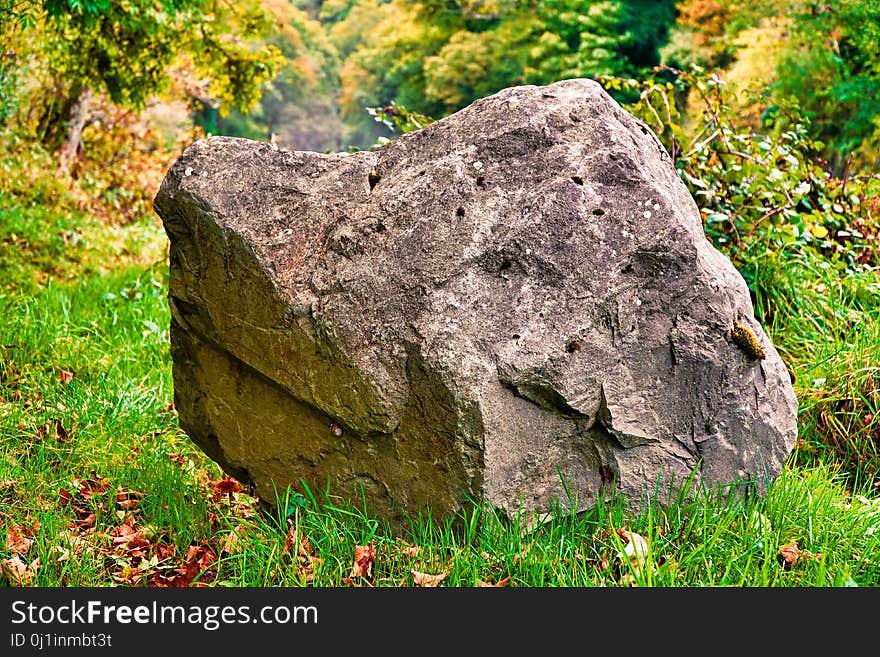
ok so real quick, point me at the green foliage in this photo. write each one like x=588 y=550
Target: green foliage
x=832 y=66
x=398 y=119
x=587 y=39
x=826 y=325
x=386 y=63
x=760 y=195
x=8 y=88
x=823 y=55
x=16 y=17
x=436 y=57
x=472 y=64
x=26 y=175
x=227 y=46
x=332 y=11
x=297 y=104
x=125 y=49
x=581 y=39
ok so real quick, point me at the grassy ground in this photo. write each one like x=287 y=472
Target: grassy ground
x=98 y=486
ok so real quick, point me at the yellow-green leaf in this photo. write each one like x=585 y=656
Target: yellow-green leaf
x=819 y=231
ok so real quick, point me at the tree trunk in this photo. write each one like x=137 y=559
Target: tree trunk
x=79 y=117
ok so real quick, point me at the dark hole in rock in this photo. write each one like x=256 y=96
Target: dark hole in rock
x=459 y=213
x=505 y=264
x=598 y=212
x=573 y=345
x=577 y=180
x=481 y=181
x=515 y=336
x=374 y=179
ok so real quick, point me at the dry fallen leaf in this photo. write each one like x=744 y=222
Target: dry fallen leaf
x=225 y=487
x=180 y=459
x=65 y=377
x=93 y=487
x=410 y=551
x=790 y=554
x=17 y=541
x=197 y=566
x=61 y=434
x=63 y=553
x=424 y=579
x=364 y=556
x=84 y=519
x=635 y=552
x=19 y=573
x=230 y=543
x=298 y=546
x=200 y=555
x=628 y=579
x=127 y=498
x=75 y=541
x=502 y=582
x=301 y=543
x=124 y=533
x=522 y=553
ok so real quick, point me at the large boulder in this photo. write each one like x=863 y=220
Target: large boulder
x=515 y=305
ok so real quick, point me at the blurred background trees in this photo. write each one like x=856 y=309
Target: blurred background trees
x=119 y=87
x=63 y=53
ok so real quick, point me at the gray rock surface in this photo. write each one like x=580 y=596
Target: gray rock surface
x=516 y=304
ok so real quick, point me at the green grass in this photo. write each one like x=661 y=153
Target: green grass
x=99 y=487
x=826 y=324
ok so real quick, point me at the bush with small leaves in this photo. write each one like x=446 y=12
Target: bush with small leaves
x=761 y=195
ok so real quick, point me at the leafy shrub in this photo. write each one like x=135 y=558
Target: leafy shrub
x=114 y=177
x=27 y=173
x=397 y=118
x=760 y=195
x=122 y=163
